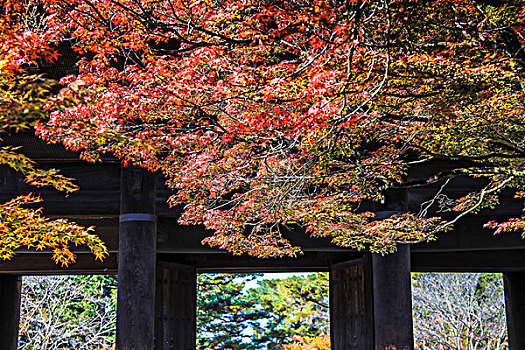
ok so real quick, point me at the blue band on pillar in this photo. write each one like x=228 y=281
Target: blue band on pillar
x=137 y=217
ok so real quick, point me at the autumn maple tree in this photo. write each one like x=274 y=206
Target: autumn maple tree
x=265 y=114
x=23 y=101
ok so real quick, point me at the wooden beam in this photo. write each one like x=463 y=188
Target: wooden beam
x=10 y=292
x=136 y=261
x=43 y=264
x=392 y=300
x=31 y=263
x=172 y=237
x=514 y=293
x=469 y=235
x=469 y=261
x=225 y=262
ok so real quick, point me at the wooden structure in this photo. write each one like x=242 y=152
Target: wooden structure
x=157 y=260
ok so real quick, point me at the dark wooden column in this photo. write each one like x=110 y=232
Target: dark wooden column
x=515 y=306
x=10 y=292
x=136 y=261
x=392 y=300
x=175 y=307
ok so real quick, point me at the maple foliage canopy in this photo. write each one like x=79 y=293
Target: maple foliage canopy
x=23 y=98
x=265 y=114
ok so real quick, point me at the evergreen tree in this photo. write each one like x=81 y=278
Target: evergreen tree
x=295 y=306
x=225 y=313
x=264 y=317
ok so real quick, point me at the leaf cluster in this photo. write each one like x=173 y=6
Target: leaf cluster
x=265 y=114
x=25 y=99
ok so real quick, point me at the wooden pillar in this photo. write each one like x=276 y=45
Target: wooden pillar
x=136 y=261
x=392 y=300
x=175 y=307
x=10 y=292
x=514 y=283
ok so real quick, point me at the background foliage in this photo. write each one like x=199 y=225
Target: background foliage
x=26 y=98
x=451 y=312
x=459 y=311
x=68 y=312
x=262 y=317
